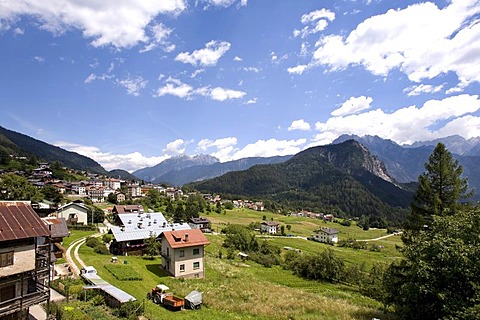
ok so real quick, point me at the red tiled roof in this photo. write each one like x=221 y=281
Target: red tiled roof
x=19 y=221
x=185 y=238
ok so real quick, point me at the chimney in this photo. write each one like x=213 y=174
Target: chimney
x=186 y=237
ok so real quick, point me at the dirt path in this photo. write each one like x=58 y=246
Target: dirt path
x=380 y=238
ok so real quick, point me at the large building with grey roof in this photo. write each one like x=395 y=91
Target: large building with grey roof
x=134 y=228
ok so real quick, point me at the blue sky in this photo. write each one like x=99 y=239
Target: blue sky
x=131 y=83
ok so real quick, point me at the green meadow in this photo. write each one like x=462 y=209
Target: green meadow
x=236 y=289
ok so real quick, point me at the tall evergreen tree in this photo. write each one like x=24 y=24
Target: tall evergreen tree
x=440 y=189
x=439 y=277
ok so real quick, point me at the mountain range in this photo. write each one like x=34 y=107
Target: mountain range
x=406 y=163
x=345 y=179
x=184 y=169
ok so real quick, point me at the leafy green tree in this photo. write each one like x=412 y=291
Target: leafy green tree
x=152 y=246
x=439 y=277
x=51 y=193
x=112 y=198
x=13 y=187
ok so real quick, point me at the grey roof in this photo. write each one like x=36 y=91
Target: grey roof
x=142 y=226
x=57 y=226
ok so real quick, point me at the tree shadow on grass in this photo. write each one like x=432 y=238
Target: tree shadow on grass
x=157 y=270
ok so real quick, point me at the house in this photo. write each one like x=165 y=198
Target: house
x=129 y=237
x=24 y=267
x=96 y=194
x=112 y=183
x=134 y=191
x=58 y=230
x=121 y=209
x=182 y=253
x=120 y=197
x=200 y=223
x=79 y=188
x=327 y=235
x=74 y=213
x=271 y=227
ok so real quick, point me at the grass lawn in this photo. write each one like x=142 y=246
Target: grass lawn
x=233 y=289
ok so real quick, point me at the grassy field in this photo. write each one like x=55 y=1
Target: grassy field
x=233 y=289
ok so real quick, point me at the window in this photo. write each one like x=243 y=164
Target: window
x=196 y=265
x=196 y=251
x=182 y=253
x=182 y=268
x=6 y=259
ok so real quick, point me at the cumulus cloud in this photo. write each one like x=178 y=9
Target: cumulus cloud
x=314 y=22
x=269 y=148
x=223 y=147
x=179 y=89
x=133 y=86
x=222 y=94
x=176 y=147
x=434 y=119
x=106 y=22
x=207 y=56
x=129 y=162
x=353 y=105
x=237 y=58
x=299 y=125
x=403 y=39
x=175 y=88
x=252 y=101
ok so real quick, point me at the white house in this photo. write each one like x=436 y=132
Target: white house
x=327 y=235
x=74 y=213
x=271 y=227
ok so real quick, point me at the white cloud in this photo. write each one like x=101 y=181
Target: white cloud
x=196 y=73
x=299 y=125
x=39 y=59
x=251 y=69
x=237 y=58
x=160 y=33
x=18 y=31
x=120 y=24
x=207 y=56
x=298 y=69
x=176 y=147
x=133 y=86
x=92 y=77
x=432 y=120
x=251 y=101
x=422 y=88
x=176 y=88
x=353 y=105
x=269 y=148
x=448 y=41
x=224 y=3
x=206 y=144
x=179 y=89
x=224 y=147
x=222 y=94
x=314 y=22
x=130 y=162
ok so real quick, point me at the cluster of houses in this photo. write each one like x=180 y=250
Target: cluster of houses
x=313 y=215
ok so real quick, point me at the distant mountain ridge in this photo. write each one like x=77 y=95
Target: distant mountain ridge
x=151 y=174
x=204 y=172
x=342 y=178
x=29 y=146
x=406 y=163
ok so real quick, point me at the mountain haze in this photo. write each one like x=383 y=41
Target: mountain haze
x=204 y=172
x=173 y=164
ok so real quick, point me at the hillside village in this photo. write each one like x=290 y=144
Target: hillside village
x=125 y=231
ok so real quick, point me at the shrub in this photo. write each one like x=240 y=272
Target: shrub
x=101 y=249
x=106 y=238
x=92 y=242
